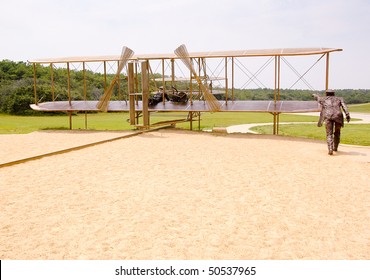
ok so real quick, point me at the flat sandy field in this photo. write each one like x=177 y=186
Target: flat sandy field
x=173 y=194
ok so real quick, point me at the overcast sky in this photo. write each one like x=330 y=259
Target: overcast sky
x=54 y=28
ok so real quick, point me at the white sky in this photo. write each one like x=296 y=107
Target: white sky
x=54 y=28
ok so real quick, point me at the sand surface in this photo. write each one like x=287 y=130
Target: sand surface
x=174 y=194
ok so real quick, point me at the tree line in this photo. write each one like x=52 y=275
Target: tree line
x=17 y=92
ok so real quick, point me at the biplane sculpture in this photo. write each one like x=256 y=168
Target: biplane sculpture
x=193 y=101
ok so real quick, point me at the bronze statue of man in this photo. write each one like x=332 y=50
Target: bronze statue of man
x=331 y=114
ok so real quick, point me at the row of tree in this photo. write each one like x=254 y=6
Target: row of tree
x=17 y=88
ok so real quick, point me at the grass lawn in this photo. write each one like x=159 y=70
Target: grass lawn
x=118 y=121
x=222 y=119
x=354 y=134
x=357 y=134
x=359 y=108
x=26 y=124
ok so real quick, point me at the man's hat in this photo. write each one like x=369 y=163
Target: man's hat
x=329 y=92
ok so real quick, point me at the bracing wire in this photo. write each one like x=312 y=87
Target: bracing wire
x=301 y=77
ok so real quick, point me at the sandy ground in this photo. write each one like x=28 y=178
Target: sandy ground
x=183 y=195
x=21 y=146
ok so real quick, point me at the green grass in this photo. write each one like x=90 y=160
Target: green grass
x=118 y=121
x=357 y=134
x=354 y=134
x=360 y=108
x=26 y=124
x=210 y=120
